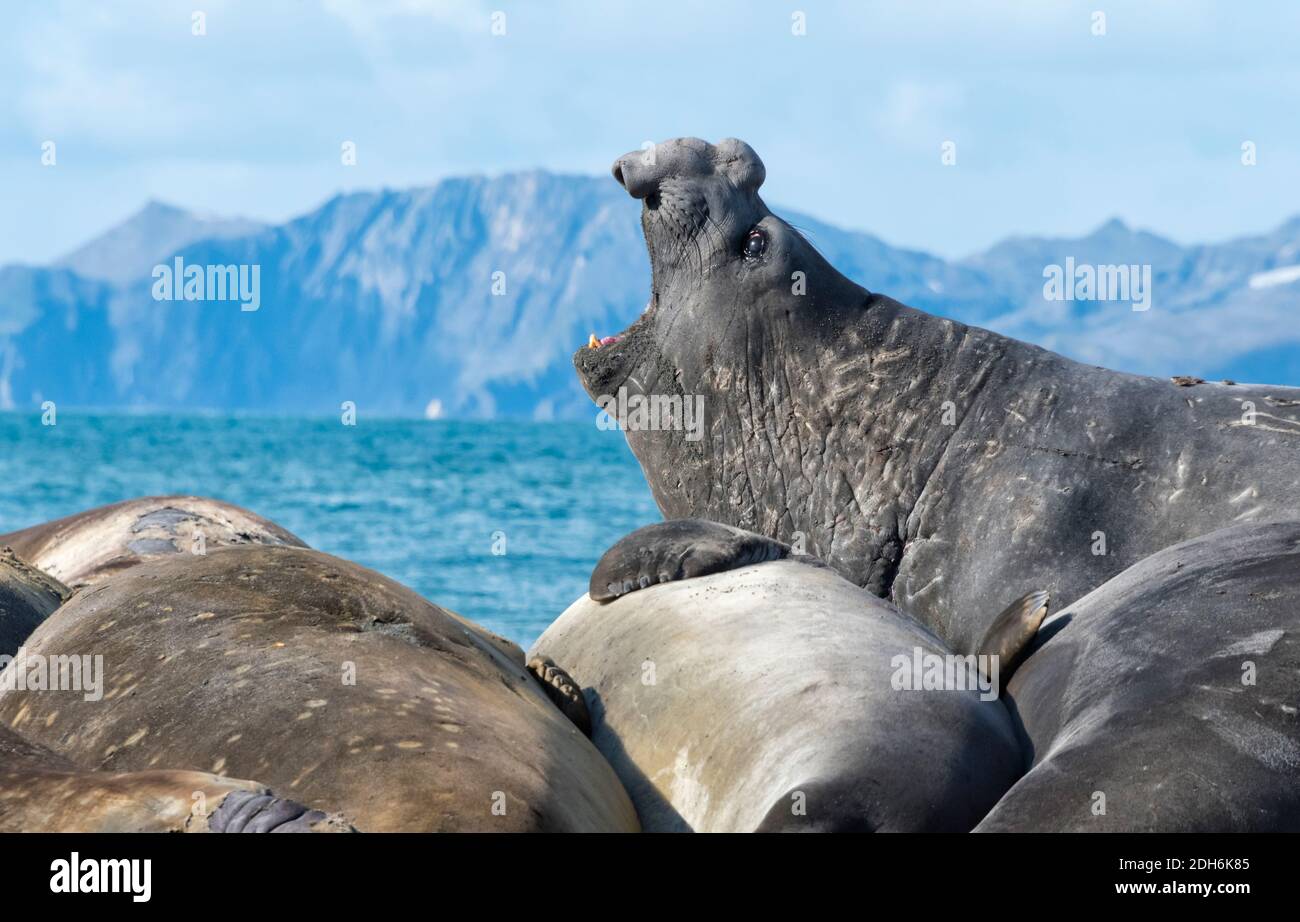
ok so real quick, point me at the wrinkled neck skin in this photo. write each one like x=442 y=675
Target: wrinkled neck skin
x=825 y=411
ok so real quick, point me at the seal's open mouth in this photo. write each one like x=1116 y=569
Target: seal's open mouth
x=598 y=342
x=607 y=363
x=685 y=187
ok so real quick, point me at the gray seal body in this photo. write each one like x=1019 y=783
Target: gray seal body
x=1167 y=700
x=27 y=597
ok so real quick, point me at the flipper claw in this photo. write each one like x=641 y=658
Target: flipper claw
x=1010 y=633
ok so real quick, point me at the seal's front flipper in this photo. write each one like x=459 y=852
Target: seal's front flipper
x=678 y=549
x=250 y=811
x=1011 y=631
x=563 y=691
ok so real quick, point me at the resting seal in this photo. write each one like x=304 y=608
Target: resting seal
x=1166 y=700
x=41 y=791
x=328 y=682
x=942 y=466
x=27 y=597
x=86 y=547
x=763 y=699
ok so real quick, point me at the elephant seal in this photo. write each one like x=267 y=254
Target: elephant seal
x=324 y=680
x=86 y=547
x=1166 y=700
x=27 y=597
x=943 y=466
x=686 y=548
x=768 y=698
x=41 y=791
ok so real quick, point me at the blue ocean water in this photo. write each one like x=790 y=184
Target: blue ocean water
x=425 y=503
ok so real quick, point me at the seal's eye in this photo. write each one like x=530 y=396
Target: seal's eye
x=755 y=244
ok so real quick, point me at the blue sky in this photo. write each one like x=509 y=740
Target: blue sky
x=1056 y=129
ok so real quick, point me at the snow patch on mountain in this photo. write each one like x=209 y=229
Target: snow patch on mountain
x=1284 y=276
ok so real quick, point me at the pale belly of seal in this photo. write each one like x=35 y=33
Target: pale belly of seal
x=762 y=698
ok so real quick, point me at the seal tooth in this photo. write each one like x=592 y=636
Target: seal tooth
x=593 y=342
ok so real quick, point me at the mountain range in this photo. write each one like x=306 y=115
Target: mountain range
x=468 y=297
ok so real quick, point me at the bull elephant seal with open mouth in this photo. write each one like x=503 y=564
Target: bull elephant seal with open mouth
x=945 y=467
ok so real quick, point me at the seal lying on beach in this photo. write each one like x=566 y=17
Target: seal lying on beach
x=945 y=467
x=769 y=698
x=324 y=680
x=86 y=547
x=1166 y=700
x=42 y=791
x=27 y=597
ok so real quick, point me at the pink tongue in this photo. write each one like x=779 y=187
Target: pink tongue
x=609 y=340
